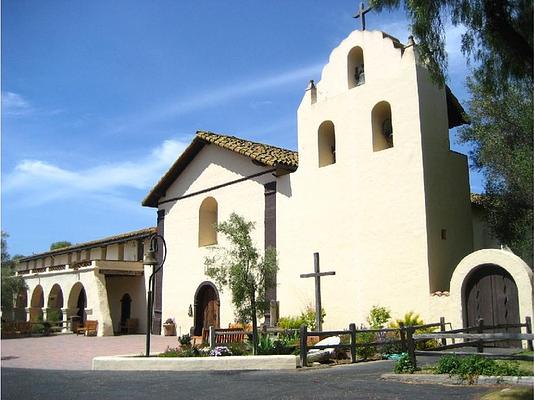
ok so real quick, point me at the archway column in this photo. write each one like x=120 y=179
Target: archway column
x=101 y=307
x=66 y=316
x=45 y=313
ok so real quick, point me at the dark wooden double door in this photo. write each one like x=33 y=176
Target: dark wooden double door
x=206 y=309
x=491 y=294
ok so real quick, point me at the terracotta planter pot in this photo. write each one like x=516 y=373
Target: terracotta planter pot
x=169 y=329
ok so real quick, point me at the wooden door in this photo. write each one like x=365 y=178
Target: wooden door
x=210 y=309
x=206 y=309
x=491 y=294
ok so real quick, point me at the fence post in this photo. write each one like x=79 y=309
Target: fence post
x=411 y=345
x=402 y=337
x=303 y=345
x=528 y=330
x=443 y=329
x=353 y=342
x=480 y=330
x=211 y=337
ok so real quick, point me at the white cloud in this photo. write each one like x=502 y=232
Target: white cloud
x=220 y=95
x=39 y=182
x=14 y=104
x=454 y=36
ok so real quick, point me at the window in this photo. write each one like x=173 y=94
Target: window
x=326 y=144
x=382 y=130
x=355 y=67
x=208 y=222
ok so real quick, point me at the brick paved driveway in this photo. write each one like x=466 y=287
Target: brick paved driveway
x=71 y=352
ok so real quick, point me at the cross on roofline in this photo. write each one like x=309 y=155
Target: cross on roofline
x=361 y=13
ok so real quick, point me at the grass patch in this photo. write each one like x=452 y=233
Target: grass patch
x=510 y=394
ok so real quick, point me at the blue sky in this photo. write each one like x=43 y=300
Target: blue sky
x=100 y=97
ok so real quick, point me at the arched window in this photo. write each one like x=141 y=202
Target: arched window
x=326 y=144
x=208 y=222
x=355 y=67
x=382 y=128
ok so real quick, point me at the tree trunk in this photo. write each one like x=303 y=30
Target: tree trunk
x=253 y=319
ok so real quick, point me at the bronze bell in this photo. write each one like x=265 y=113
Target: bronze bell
x=150 y=258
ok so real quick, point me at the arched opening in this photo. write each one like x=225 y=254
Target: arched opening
x=36 y=304
x=55 y=304
x=208 y=222
x=382 y=128
x=326 y=144
x=490 y=293
x=78 y=302
x=206 y=303
x=355 y=67
x=126 y=302
x=21 y=303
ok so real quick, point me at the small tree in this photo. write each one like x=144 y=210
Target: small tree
x=11 y=284
x=241 y=268
x=59 y=245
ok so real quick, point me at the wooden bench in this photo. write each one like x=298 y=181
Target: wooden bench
x=89 y=328
x=225 y=336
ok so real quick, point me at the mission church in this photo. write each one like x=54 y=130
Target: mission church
x=374 y=189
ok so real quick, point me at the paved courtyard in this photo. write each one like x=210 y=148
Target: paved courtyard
x=32 y=366
x=72 y=352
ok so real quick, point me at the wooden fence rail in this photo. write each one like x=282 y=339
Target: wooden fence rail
x=470 y=339
x=353 y=345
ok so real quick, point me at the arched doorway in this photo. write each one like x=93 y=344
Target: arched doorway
x=20 y=305
x=126 y=302
x=55 y=304
x=36 y=304
x=490 y=293
x=78 y=301
x=206 y=303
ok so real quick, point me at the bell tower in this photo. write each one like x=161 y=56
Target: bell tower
x=375 y=167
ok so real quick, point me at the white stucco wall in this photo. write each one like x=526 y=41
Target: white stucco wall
x=365 y=214
x=184 y=269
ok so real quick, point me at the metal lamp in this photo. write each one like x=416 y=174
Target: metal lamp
x=150 y=259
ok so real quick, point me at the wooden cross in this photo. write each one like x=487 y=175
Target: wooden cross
x=362 y=15
x=317 y=274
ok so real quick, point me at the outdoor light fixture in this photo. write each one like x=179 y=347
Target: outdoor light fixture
x=190 y=311
x=150 y=259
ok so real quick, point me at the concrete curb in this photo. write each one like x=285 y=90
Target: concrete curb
x=453 y=380
x=137 y=363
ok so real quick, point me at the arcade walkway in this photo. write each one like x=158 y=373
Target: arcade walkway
x=71 y=352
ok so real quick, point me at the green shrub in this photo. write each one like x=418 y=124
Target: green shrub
x=290 y=322
x=38 y=328
x=307 y=317
x=448 y=365
x=378 y=317
x=185 y=340
x=265 y=345
x=468 y=368
x=181 y=352
x=404 y=365
x=52 y=315
x=413 y=319
x=240 y=349
x=368 y=351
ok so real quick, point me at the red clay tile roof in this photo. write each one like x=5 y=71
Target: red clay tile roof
x=263 y=153
x=123 y=237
